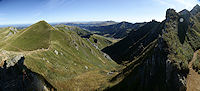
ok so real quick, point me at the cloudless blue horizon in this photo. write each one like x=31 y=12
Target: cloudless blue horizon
x=31 y=11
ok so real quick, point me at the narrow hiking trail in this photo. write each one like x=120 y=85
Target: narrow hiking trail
x=193 y=78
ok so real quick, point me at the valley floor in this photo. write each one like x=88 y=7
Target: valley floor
x=193 y=79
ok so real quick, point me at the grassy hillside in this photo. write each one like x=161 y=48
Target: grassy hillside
x=63 y=58
x=79 y=31
x=101 y=41
x=97 y=40
x=34 y=37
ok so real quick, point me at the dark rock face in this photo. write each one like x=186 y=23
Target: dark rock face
x=171 y=15
x=149 y=75
x=20 y=78
x=152 y=72
x=195 y=10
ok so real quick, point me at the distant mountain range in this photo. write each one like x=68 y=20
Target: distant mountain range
x=87 y=24
x=78 y=24
x=104 y=28
x=118 y=30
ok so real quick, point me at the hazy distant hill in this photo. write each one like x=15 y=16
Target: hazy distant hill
x=89 y=24
x=118 y=30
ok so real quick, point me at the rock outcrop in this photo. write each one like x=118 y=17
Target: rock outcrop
x=15 y=76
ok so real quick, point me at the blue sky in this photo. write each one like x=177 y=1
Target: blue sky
x=31 y=11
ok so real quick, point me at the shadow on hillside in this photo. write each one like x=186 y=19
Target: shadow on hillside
x=182 y=29
x=20 y=78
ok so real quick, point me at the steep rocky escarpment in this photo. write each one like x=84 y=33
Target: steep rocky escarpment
x=146 y=73
x=161 y=64
x=15 y=76
x=132 y=45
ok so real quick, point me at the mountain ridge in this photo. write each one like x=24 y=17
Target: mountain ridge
x=119 y=30
x=163 y=64
x=61 y=57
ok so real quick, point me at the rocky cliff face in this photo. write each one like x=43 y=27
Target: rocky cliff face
x=15 y=76
x=161 y=64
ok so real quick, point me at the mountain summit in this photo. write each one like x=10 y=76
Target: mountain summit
x=36 y=36
x=195 y=10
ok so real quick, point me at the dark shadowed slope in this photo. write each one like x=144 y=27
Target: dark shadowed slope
x=163 y=63
x=134 y=43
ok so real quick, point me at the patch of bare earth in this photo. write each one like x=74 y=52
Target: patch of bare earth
x=193 y=78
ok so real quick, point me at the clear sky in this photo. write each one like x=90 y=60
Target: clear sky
x=31 y=11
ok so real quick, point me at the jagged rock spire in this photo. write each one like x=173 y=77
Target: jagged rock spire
x=195 y=10
x=171 y=14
